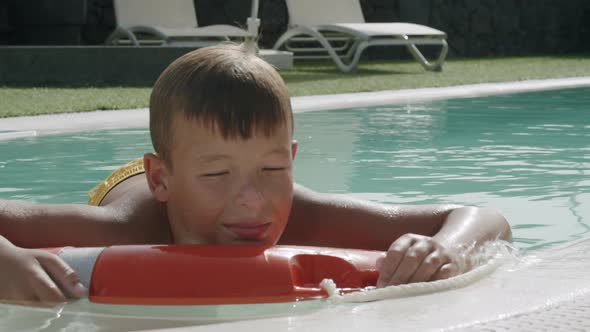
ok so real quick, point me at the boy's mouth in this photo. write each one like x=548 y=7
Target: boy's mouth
x=248 y=230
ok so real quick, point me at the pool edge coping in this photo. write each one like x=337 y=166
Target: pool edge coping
x=139 y=118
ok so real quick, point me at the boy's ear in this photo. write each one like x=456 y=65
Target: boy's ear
x=157 y=176
x=293 y=149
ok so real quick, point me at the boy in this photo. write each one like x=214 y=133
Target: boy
x=222 y=127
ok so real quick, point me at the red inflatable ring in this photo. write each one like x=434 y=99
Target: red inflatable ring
x=206 y=274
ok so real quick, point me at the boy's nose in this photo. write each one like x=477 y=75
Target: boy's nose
x=250 y=196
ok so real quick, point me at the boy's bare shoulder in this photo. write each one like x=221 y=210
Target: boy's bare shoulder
x=127 y=215
x=133 y=200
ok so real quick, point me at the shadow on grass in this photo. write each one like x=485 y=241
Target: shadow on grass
x=314 y=71
x=578 y=56
x=70 y=85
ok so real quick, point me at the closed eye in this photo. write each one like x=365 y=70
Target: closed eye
x=274 y=169
x=214 y=174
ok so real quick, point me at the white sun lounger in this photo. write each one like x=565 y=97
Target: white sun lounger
x=337 y=29
x=170 y=22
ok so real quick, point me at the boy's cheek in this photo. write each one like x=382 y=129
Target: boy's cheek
x=195 y=223
x=206 y=189
x=281 y=192
x=281 y=181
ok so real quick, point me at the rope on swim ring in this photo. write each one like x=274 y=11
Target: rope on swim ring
x=390 y=292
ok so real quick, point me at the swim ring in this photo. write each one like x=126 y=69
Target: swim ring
x=209 y=274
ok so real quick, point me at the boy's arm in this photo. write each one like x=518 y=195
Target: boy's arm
x=135 y=218
x=425 y=242
x=37 y=275
x=38 y=226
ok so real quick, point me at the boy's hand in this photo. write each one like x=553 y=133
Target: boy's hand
x=26 y=276
x=417 y=258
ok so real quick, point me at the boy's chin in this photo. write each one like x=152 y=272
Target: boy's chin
x=252 y=242
x=226 y=239
x=230 y=242
x=242 y=241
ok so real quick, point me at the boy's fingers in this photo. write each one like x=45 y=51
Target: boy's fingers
x=45 y=289
x=429 y=267
x=17 y=294
x=411 y=261
x=446 y=271
x=63 y=275
x=392 y=259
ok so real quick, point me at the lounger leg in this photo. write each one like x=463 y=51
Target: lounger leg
x=435 y=66
x=115 y=37
x=132 y=37
x=352 y=50
x=351 y=66
x=357 y=56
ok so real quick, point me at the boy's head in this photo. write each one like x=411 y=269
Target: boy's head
x=226 y=87
x=221 y=125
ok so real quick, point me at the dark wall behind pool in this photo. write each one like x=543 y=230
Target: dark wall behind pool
x=475 y=28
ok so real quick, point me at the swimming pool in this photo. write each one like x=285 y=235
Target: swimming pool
x=527 y=155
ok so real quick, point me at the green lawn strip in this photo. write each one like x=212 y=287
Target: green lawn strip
x=309 y=79
x=376 y=76
x=35 y=101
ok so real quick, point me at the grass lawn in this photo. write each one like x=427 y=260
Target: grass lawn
x=309 y=79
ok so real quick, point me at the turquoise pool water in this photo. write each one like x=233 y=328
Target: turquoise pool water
x=527 y=155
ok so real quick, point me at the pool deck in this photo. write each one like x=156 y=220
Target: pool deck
x=138 y=118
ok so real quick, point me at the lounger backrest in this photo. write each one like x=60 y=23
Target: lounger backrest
x=166 y=14
x=318 y=12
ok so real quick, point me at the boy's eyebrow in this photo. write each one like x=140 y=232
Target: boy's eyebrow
x=208 y=158
x=280 y=150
